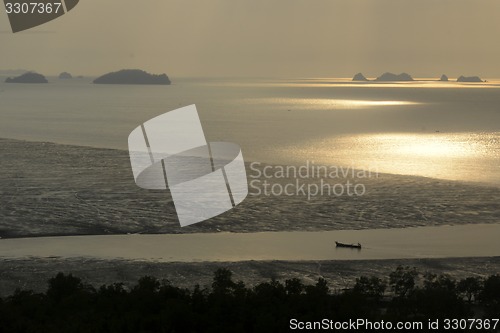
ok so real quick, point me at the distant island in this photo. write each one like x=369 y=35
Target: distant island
x=29 y=77
x=391 y=77
x=394 y=77
x=385 y=77
x=132 y=76
x=65 y=76
x=469 y=79
x=359 y=77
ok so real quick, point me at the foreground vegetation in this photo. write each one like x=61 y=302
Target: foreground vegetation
x=152 y=305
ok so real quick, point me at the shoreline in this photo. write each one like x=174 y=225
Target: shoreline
x=312 y=164
x=73 y=190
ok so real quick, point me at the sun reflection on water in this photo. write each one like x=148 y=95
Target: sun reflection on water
x=328 y=103
x=455 y=156
x=435 y=146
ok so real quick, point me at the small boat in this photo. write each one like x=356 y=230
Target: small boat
x=352 y=246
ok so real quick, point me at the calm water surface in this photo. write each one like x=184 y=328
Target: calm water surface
x=423 y=242
x=441 y=130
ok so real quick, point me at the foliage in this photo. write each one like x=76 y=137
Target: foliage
x=402 y=280
x=152 y=305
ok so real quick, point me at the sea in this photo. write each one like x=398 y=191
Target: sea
x=440 y=130
x=444 y=130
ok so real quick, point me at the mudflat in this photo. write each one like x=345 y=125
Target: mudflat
x=51 y=189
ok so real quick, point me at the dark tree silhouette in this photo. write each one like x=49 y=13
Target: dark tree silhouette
x=153 y=305
x=490 y=295
x=370 y=286
x=294 y=287
x=222 y=282
x=470 y=287
x=402 y=280
x=147 y=284
x=63 y=286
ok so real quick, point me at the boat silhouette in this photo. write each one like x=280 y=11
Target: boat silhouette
x=352 y=246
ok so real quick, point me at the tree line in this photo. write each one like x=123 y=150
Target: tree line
x=153 y=305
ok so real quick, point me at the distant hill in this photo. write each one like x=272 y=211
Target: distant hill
x=359 y=77
x=443 y=78
x=394 y=77
x=29 y=77
x=132 y=76
x=469 y=79
x=65 y=76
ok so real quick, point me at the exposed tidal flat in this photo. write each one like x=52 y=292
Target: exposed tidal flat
x=51 y=189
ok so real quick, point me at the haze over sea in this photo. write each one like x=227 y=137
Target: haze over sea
x=441 y=130
x=433 y=129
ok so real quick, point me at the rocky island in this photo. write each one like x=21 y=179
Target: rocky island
x=444 y=78
x=65 y=76
x=29 y=77
x=469 y=79
x=132 y=76
x=359 y=77
x=394 y=77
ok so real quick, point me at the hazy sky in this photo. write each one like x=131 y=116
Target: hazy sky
x=288 y=38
